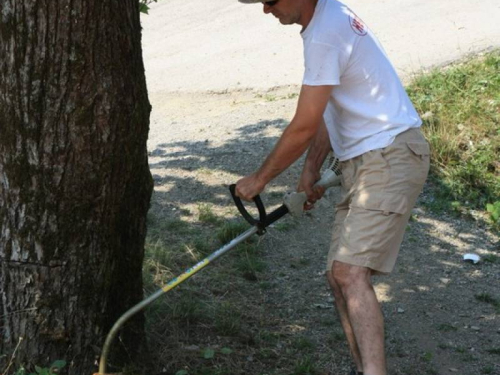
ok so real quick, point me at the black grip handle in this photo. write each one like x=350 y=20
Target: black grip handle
x=244 y=212
x=276 y=215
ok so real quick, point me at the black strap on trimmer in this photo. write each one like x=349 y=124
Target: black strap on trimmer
x=264 y=219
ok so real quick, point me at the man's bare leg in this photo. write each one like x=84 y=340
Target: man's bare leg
x=344 y=320
x=363 y=314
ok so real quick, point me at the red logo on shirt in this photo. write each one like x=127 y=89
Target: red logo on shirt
x=357 y=25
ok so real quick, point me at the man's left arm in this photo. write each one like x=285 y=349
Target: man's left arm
x=293 y=142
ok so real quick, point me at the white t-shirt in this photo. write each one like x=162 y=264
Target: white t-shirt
x=368 y=106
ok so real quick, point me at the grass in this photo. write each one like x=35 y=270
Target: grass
x=303 y=344
x=269 y=338
x=336 y=337
x=249 y=263
x=187 y=310
x=461 y=114
x=427 y=357
x=446 y=327
x=487 y=298
x=227 y=320
x=285 y=226
x=231 y=230
x=178 y=226
x=468 y=357
x=206 y=214
x=305 y=366
x=490 y=258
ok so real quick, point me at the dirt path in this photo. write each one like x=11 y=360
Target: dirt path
x=436 y=306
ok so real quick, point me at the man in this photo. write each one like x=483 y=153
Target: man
x=352 y=101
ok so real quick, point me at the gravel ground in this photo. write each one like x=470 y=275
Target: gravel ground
x=437 y=322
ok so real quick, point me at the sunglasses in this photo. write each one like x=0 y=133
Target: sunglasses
x=271 y=3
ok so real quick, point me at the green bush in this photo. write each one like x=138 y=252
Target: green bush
x=460 y=107
x=494 y=210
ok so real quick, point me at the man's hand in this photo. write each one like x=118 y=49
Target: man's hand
x=249 y=187
x=306 y=183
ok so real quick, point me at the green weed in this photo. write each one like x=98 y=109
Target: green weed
x=491 y=258
x=427 y=357
x=160 y=253
x=231 y=230
x=336 y=337
x=270 y=338
x=211 y=371
x=494 y=211
x=203 y=246
x=305 y=366
x=468 y=357
x=303 y=343
x=227 y=320
x=54 y=369
x=487 y=298
x=265 y=285
x=175 y=226
x=327 y=322
x=206 y=214
x=446 y=327
x=443 y=346
x=300 y=262
x=249 y=264
x=187 y=310
x=285 y=226
x=267 y=353
x=494 y=351
x=162 y=261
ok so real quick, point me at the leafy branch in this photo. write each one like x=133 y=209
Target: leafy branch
x=144 y=5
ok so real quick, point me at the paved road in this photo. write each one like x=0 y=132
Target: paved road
x=199 y=45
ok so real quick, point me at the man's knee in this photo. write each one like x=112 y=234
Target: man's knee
x=333 y=284
x=345 y=276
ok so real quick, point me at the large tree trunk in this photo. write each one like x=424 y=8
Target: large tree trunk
x=74 y=179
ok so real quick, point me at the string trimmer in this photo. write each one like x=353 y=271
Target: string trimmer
x=293 y=204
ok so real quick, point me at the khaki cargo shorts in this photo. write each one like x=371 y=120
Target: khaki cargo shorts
x=379 y=191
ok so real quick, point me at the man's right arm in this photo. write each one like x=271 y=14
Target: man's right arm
x=316 y=155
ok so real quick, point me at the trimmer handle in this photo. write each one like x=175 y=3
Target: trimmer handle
x=264 y=219
x=244 y=212
x=295 y=201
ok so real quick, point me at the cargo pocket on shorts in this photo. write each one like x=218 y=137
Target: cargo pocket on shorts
x=374 y=228
x=419 y=149
x=421 y=153
x=386 y=203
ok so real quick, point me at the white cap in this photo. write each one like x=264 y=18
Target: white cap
x=253 y=1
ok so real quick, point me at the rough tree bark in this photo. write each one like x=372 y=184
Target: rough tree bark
x=74 y=178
